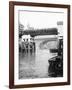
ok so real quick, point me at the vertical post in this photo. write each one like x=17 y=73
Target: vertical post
x=60 y=28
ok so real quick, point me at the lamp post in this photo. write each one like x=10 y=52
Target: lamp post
x=60 y=37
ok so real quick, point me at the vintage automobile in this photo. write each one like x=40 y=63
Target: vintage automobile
x=56 y=63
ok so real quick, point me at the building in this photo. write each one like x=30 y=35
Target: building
x=26 y=38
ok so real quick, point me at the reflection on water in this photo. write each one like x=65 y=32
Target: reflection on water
x=34 y=64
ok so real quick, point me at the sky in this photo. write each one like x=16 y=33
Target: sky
x=39 y=20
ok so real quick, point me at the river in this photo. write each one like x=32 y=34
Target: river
x=34 y=64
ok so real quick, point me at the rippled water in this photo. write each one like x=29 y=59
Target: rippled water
x=34 y=64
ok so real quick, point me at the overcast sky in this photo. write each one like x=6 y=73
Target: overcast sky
x=40 y=19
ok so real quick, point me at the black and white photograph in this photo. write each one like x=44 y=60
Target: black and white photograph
x=41 y=54
x=40 y=44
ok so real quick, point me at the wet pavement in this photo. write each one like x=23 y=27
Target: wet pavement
x=34 y=64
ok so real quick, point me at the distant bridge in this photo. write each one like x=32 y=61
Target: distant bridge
x=49 y=31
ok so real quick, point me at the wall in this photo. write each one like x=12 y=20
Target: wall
x=4 y=46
